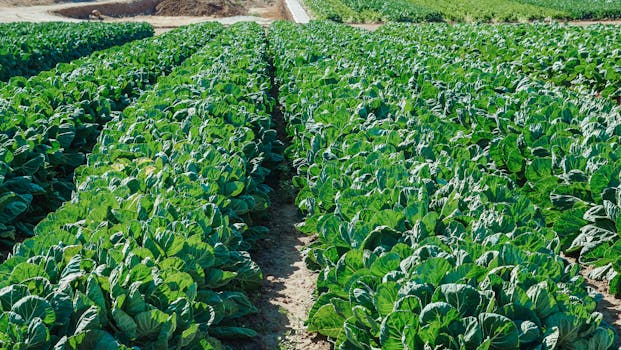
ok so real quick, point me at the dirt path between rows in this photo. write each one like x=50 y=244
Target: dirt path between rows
x=286 y=295
x=287 y=292
x=608 y=305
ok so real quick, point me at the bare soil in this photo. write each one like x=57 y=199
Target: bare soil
x=221 y=8
x=36 y=2
x=181 y=12
x=110 y=9
x=287 y=292
x=174 y=8
x=609 y=306
x=286 y=295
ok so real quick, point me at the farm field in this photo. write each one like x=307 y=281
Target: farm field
x=576 y=9
x=414 y=233
x=50 y=121
x=172 y=189
x=584 y=59
x=356 y=11
x=572 y=181
x=441 y=187
x=28 y=49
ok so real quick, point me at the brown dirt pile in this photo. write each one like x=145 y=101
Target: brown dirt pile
x=219 y=8
x=16 y=3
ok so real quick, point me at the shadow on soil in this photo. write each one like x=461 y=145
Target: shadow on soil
x=288 y=286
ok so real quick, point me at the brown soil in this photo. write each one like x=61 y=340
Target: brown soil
x=36 y=2
x=167 y=14
x=178 y=8
x=220 y=8
x=609 y=306
x=287 y=292
x=286 y=295
x=111 y=9
x=269 y=9
x=261 y=11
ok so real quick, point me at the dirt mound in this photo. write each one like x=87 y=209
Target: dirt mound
x=112 y=9
x=16 y=3
x=219 y=8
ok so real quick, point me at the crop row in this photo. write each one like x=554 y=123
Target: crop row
x=29 y=48
x=425 y=240
x=462 y=10
x=334 y=10
x=579 y=9
x=150 y=252
x=393 y=10
x=487 y=10
x=585 y=58
x=50 y=121
x=560 y=147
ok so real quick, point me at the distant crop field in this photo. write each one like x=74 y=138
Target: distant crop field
x=353 y=11
x=577 y=9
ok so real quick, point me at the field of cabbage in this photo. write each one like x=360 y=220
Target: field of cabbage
x=52 y=120
x=150 y=251
x=360 y=11
x=449 y=187
x=587 y=60
x=444 y=191
x=29 y=48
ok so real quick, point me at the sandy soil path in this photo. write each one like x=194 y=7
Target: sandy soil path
x=287 y=292
x=22 y=3
x=37 y=13
x=44 y=11
x=608 y=305
x=286 y=295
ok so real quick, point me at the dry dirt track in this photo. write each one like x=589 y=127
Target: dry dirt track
x=13 y=3
x=19 y=10
x=261 y=11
